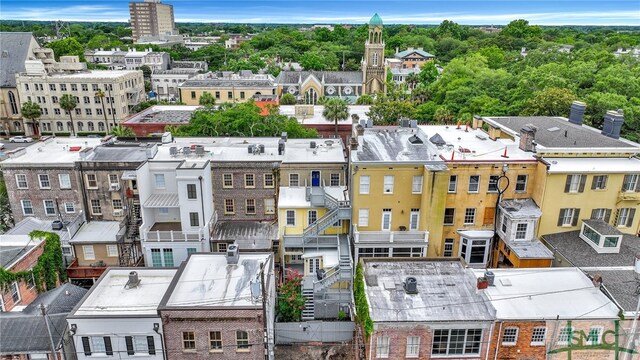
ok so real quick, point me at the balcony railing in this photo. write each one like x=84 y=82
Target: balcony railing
x=409 y=236
x=629 y=196
x=85 y=272
x=174 y=235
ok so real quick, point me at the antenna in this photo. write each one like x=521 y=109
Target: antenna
x=62 y=29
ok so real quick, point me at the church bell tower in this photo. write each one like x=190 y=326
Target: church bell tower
x=373 y=69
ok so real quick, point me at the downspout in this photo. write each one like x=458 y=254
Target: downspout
x=164 y=351
x=495 y=356
x=370 y=345
x=202 y=204
x=84 y=193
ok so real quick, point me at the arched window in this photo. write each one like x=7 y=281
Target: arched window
x=100 y=126
x=80 y=126
x=13 y=103
x=374 y=60
x=17 y=125
x=311 y=97
x=69 y=125
x=90 y=126
x=59 y=126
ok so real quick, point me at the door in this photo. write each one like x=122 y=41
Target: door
x=313 y=265
x=315 y=178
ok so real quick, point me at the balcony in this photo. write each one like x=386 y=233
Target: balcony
x=172 y=231
x=629 y=196
x=74 y=271
x=385 y=237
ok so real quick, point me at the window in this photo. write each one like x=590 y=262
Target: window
x=31 y=281
x=21 y=181
x=156 y=258
x=222 y=247
x=217 y=95
x=565 y=335
x=84 y=87
x=215 y=340
x=44 y=181
x=79 y=112
x=227 y=181
x=474 y=183
x=117 y=204
x=96 y=209
x=167 y=257
x=86 y=100
x=57 y=112
x=416 y=185
x=568 y=217
x=229 y=95
x=87 y=251
x=229 y=206
x=291 y=218
x=242 y=340
x=15 y=292
x=521 y=231
x=386 y=219
x=268 y=181
x=335 y=179
x=113 y=179
x=413 y=346
x=493 y=184
x=69 y=207
x=601 y=214
x=250 y=206
x=92 y=181
x=13 y=103
x=474 y=251
x=373 y=252
x=294 y=179
x=63 y=87
x=189 y=337
x=456 y=341
x=269 y=206
x=194 y=219
x=27 y=207
x=599 y=182
x=363 y=217
x=241 y=94
x=624 y=217
x=364 y=184
x=414 y=218
x=312 y=217
x=453 y=183
x=510 y=336
x=160 y=181
x=469 y=216
x=388 y=184
x=100 y=125
x=575 y=183
x=382 y=347
x=448 y=248
x=49 y=207
x=538 y=336
x=610 y=241
x=249 y=181
x=594 y=335
x=140 y=345
x=449 y=216
x=193 y=95
x=631 y=183
x=191 y=191
x=112 y=250
x=65 y=181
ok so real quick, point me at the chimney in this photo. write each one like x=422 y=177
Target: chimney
x=596 y=280
x=613 y=121
x=577 y=112
x=527 y=138
x=353 y=143
x=477 y=122
x=232 y=254
x=281 y=146
x=397 y=49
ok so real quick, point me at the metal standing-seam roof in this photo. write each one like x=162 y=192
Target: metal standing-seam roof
x=162 y=201
x=14 y=50
x=330 y=77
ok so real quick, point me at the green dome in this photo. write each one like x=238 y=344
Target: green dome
x=375 y=20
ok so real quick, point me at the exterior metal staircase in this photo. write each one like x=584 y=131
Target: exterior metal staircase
x=127 y=246
x=308 y=313
x=338 y=210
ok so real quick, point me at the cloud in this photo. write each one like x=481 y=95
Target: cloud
x=68 y=13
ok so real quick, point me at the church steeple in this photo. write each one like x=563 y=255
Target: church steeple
x=373 y=69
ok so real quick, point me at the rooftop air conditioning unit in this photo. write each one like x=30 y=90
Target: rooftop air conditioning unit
x=118 y=212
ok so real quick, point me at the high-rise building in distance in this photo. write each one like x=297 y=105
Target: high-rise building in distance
x=151 y=18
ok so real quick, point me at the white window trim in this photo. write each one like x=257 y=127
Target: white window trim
x=598 y=339
x=60 y=177
x=297 y=176
x=264 y=181
x=22 y=205
x=455 y=185
x=88 y=250
x=246 y=177
x=526 y=182
x=380 y=344
x=544 y=339
x=475 y=212
x=44 y=205
x=414 y=183
x=364 y=184
x=40 y=181
x=408 y=345
x=155 y=181
x=477 y=185
x=224 y=186
x=382 y=220
x=286 y=218
x=412 y=225
x=361 y=213
x=110 y=250
x=25 y=181
x=515 y=337
x=387 y=189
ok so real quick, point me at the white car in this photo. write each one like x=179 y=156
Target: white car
x=1 y=146
x=20 y=139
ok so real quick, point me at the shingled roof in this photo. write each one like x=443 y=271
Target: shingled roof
x=14 y=50
x=330 y=77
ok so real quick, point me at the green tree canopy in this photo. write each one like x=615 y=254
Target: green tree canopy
x=335 y=110
x=68 y=103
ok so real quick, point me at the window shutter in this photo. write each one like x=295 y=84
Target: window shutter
x=583 y=180
x=86 y=346
x=567 y=184
x=605 y=179
x=593 y=183
x=561 y=216
x=593 y=213
x=625 y=181
x=638 y=185
x=607 y=215
x=107 y=345
x=576 y=214
x=129 y=341
x=152 y=345
x=616 y=218
x=632 y=213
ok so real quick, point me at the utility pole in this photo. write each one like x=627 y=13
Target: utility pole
x=46 y=322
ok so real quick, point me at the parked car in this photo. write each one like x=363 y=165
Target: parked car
x=20 y=139
x=1 y=146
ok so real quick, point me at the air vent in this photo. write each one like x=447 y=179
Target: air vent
x=411 y=285
x=555 y=128
x=415 y=140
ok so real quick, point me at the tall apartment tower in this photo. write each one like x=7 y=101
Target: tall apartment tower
x=373 y=69
x=151 y=18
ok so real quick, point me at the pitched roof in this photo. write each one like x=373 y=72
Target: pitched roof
x=58 y=301
x=14 y=50
x=419 y=51
x=330 y=77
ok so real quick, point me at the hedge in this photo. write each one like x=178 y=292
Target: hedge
x=87 y=133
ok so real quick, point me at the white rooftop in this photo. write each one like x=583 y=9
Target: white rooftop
x=52 y=151
x=109 y=297
x=295 y=197
x=326 y=150
x=97 y=232
x=94 y=74
x=317 y=118
x=593 y=165
x=207 y=280
x=546 y=293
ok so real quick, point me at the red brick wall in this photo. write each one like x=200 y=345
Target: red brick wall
x=145 y=129
x=27 y=295
x=329 y=131
x=201 y=322
x=523 y=348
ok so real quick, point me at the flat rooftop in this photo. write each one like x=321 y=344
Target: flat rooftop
x=94 y=74
x=163 y=114
x=545 y=294
x=394 y=144
x=446 y=292
x=97 y=232
x=551 y=132
x=291 y=197
x=207 y=280
x=229 y=83
x=325 y=151
x=135 y=153
x=109 y=297
x=248 y=235
x=592 y=165
x=520 y=208
x=581 y=254
x=316 y=117
x=62 y=151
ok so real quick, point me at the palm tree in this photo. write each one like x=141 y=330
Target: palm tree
x=32 y=111
x=69 y=103
x=121 y=131
x=335 y=109
x=100 y=95
x=207 y=100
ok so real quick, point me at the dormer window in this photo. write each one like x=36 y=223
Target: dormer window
x=602 y=237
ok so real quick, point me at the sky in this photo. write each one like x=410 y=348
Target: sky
x=538 y=12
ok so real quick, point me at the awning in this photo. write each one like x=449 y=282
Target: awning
x=162 y=201
x=129 y=175
x=476 y=234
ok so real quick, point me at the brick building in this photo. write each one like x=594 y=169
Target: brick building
x=19 y=253
x=215 y=307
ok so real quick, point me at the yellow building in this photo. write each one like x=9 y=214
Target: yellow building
x=233 y=88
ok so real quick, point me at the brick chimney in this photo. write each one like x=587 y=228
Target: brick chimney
x=527 y=138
